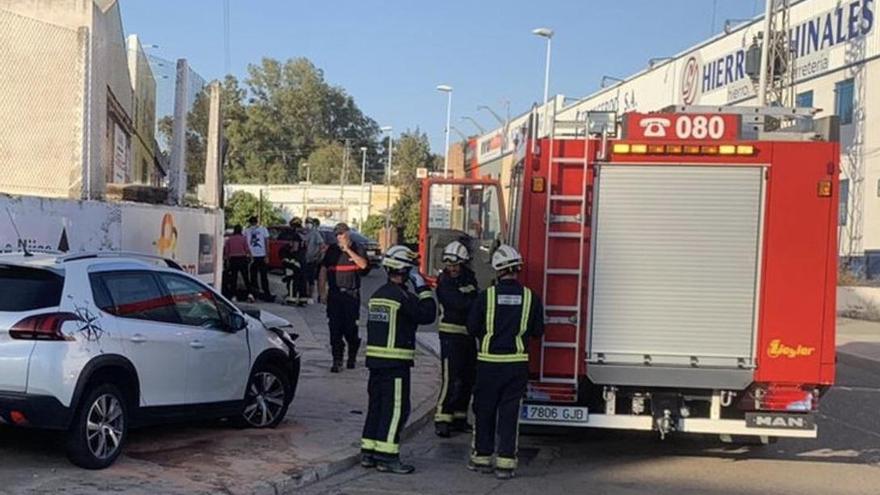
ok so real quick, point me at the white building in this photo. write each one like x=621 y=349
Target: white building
x=837 y=44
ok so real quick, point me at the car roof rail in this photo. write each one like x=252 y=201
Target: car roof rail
x=118 y=254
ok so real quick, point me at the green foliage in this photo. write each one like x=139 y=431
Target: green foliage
x=326 y=164
x=284 y=112
x=411 y=152
x=243 y=205
x=372 y=225
x=406 y=215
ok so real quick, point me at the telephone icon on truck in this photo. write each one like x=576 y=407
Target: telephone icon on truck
x=655 y=127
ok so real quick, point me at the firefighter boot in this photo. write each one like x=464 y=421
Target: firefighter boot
x=395 y=467
x=505 y=474
x=479 y=467
x=337 y=366
x=441 y=430
x=461 y=425
x=368 y=461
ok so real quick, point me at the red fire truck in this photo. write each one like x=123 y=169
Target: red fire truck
x=686 y=259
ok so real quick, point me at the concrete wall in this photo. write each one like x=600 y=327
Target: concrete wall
x=63 y=60
x=859 y=302
x=41 y=105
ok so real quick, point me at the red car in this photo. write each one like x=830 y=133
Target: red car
x=280 y=235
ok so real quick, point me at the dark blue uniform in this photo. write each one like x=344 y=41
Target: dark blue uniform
x=458 y=349
x=343 y=300
x=394 y=315
x=503 y=320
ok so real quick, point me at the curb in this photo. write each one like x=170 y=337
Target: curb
x=422 y=415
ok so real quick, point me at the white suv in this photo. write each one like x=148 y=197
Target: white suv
x=93 y=344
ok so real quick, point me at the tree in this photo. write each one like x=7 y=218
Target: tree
x=326 y=165
x=412 y=151
x=282 y=114
x=372 y=225
x=242 y=205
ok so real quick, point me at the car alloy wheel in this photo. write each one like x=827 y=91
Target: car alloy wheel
x=105 y=424
x=265 y=399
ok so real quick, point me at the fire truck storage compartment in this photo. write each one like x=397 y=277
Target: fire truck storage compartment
x=675 y=271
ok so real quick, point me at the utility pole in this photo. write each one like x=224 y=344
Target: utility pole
x=213 y=166
x=177 y=172
x=776 y=77
x=342 y=210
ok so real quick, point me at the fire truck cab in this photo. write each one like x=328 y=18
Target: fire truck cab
x=687 y=262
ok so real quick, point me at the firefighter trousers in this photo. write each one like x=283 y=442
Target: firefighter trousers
x=387 y=413
x=296 y=286
x=343 y=311
x=498 y=395
x=459 y=360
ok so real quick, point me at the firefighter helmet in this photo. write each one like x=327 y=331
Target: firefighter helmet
x=400 y=258
x=455 y=253
x=506 y=258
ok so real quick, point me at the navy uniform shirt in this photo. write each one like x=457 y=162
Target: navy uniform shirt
x=342 y=271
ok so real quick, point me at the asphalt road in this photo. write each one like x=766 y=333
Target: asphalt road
x=845 y=459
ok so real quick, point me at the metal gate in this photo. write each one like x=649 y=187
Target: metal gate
x=676 y=264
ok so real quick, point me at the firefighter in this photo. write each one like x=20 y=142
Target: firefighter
x=292 y=259
x=503 y=319
x=394 y=314
x=457 y=290
x=339 y=287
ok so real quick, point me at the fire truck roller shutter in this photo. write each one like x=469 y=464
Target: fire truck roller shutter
x=675 y=275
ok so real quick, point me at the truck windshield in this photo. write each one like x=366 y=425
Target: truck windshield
x=470 y=213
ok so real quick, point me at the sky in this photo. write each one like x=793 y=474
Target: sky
x=390 y=55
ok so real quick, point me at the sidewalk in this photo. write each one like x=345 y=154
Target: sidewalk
x=858 y=341
x=321 y=435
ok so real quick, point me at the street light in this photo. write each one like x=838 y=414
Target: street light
x=460 y=134
x=387 y=129
x=363 y=183
x=475 y=123
x=605 y=80
x=489 y=109
x=444 y=88
x=546 y=33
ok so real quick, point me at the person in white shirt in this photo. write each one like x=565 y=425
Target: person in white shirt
x=257 y=238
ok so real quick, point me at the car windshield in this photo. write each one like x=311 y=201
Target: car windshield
x=27 y=289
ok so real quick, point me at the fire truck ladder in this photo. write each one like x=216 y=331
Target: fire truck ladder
x=557 y=312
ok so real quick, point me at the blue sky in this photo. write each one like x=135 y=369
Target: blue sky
x=391 y=54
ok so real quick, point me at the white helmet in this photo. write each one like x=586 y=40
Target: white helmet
x=455 y=253
x=400 y=258
x=505 y=258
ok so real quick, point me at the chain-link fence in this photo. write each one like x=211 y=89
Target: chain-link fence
x=42 y=136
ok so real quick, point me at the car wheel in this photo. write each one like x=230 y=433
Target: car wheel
x=99 y=429
x=267 y=398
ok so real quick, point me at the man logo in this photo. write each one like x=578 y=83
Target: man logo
x=690 y=81
x=782 y=421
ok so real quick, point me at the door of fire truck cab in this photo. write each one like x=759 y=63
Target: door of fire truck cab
x=465 y=210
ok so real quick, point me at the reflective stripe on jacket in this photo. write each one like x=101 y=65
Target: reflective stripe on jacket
x=504 y=317
x=456 y=296
x=394 y=315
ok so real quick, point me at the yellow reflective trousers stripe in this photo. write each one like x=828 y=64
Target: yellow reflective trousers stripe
x=452 y=328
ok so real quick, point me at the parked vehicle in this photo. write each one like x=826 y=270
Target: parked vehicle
x=687 y=262
x=280 y=235
x=95 y=344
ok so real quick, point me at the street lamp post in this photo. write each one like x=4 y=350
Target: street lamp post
x=388 y=179
x=546 y=33
x=363 y=183
x=444 y=88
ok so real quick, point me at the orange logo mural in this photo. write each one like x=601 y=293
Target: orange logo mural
x=167 y=242
x=777 y=349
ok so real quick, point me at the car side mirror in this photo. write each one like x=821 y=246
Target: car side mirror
x=237 y=322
